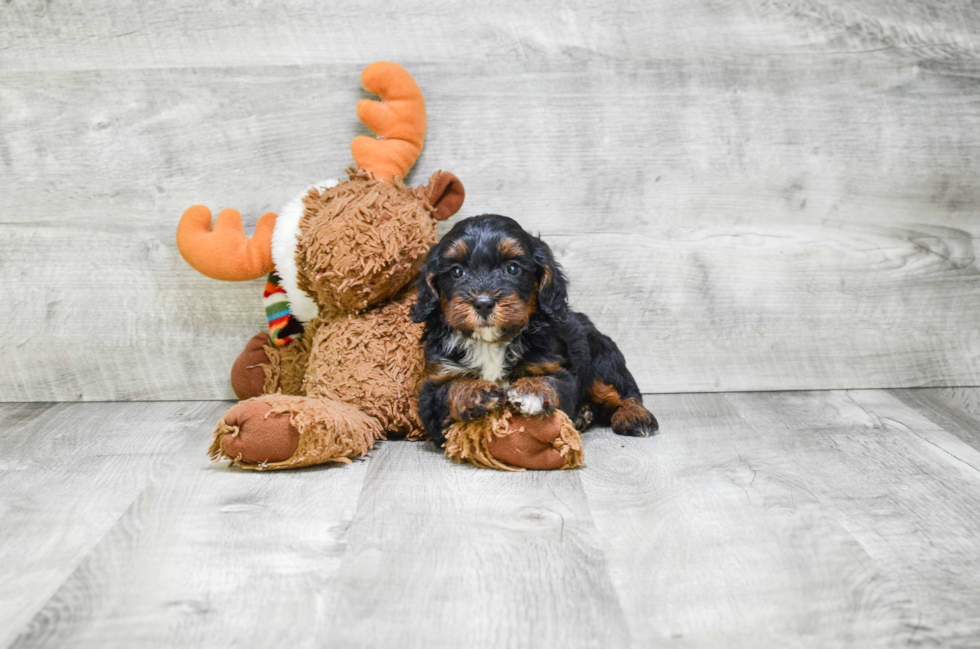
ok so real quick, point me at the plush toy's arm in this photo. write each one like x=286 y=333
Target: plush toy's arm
x=509 y=442
x=287 y=366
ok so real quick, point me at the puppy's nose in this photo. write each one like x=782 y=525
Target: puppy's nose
x=483 y=305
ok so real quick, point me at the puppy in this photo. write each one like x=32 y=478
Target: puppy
x=498 y=330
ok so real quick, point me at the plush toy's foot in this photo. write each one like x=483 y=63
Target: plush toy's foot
x=247 y=374
x=511 y=442
x=250 y=433
x=529 y=443
x=282 y=432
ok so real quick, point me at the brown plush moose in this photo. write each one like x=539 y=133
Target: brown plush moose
x=345 y=255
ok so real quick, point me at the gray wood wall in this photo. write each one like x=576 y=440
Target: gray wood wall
x=751 y=195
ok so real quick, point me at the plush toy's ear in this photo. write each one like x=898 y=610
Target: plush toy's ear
x=446 y=194
x=428 y=298
x=552 y=286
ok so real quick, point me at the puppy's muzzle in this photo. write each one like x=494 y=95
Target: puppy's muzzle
x=484 y=305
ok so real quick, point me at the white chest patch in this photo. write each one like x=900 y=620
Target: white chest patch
x=492 y=360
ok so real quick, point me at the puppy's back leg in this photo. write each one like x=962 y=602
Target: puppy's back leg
x=613 y=389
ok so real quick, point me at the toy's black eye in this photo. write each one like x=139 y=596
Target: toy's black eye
x=513 y=269
x=456 y=271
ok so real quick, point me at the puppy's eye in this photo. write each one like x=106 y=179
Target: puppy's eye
x=513 y=269
x=456 y=271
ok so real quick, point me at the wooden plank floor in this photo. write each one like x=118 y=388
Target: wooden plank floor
x=841 y=518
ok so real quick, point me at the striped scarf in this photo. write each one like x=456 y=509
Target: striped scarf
x=283 y=325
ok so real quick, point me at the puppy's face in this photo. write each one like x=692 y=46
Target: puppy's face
x=484 y=278
x=487 y=278
x=487 y=281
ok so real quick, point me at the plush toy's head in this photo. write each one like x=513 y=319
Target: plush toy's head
x=344 y=246
x=363 y=240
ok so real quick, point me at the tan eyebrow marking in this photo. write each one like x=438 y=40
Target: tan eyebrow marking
x=510 y=248
x=457 y=250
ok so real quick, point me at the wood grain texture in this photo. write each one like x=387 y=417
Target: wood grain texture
x=904 y=488
x=849 y=509
x=207 y=556
x=466 y=557
x=67 y=474
x=966 y=399
x=730 y=537
x=952 y=409
x=768 y=195
x=78 y=35
x=807 y=519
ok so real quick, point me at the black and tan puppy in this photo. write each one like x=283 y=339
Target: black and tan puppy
x=498 y=330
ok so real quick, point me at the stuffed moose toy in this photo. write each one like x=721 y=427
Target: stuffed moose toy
x=342 y=365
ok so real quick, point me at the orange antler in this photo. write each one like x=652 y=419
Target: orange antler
x=398 y=120
x=225 y=252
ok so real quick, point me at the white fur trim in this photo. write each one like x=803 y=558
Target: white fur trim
x=284 y=239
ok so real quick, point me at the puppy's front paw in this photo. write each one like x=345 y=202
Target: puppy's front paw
x=633 y=420
x=469 y=400
x=533 y=396
x=527 y=403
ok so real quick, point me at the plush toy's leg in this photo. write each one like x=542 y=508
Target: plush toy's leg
x=263 y=368
x=511 y=442
x=247 y=374
x=279 y=431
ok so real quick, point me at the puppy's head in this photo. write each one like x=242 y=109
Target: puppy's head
x=487 y=278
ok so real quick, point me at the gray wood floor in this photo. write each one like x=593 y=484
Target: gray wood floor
x=841 y=518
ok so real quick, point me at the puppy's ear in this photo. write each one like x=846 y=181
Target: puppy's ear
x=552 y=286
x=428 y=299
